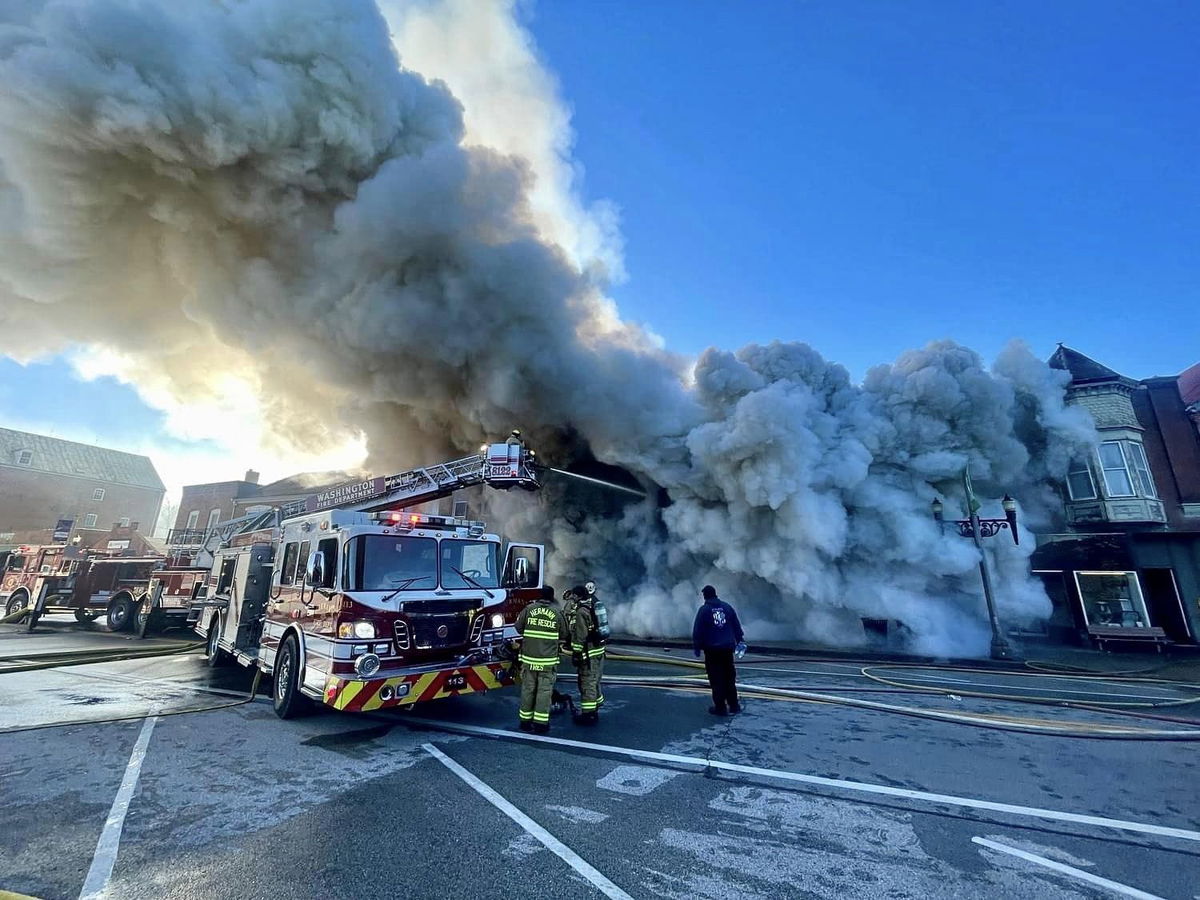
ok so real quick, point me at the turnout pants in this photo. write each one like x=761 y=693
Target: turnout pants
x=588 y=674
x=722 y=678
x=537 y=687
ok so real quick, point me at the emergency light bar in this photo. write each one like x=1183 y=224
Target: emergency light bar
x=408 y=521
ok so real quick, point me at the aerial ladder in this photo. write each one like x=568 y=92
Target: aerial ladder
x=503 y=466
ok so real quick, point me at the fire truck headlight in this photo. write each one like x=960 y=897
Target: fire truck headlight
x=497 y=621
x=362 y=630
x=367 y=665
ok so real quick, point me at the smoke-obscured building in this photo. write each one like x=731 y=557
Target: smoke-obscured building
x=52 y=487
x=1124 y=563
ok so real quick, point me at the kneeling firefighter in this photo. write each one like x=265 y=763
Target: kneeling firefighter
x=543 y=630
x=587 y=621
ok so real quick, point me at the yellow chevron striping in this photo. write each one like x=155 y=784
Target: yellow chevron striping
x=349 y=691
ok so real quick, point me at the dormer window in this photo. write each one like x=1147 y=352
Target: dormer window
x=24 y=457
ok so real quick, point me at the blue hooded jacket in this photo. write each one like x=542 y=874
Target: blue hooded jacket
x=716 y=626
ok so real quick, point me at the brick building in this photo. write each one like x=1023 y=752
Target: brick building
x=1126 y=553
x=45 y=480
x=202 y=506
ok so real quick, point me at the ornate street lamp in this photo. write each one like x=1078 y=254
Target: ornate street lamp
x=976 y=529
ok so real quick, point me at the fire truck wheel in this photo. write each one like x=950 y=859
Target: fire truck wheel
x=19 y=600
x=214 y=655
x=285 y=694
x=120 y=614
x=82 y=617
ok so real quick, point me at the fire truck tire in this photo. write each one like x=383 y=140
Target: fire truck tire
x=214 y=655
x=121 y=614
x=285 y=693
x=82 y=616
x=19 y=600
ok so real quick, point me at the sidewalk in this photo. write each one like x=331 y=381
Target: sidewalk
x=1180 y=664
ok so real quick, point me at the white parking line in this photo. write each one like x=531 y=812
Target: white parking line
x=96 y=884
x=836 y=783
x=1114 y=886
x=553 y=844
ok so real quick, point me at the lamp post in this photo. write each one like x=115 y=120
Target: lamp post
x=977 y=529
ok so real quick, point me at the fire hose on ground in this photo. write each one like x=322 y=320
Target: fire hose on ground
x=830 y=696
x=36 y=662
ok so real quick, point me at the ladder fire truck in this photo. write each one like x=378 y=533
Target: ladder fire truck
x=350 y=599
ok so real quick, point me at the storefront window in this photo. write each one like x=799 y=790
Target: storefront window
x=1113 y=599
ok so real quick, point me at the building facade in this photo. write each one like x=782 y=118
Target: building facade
x=202 y=506
x=1125 y=558
x=50 y=486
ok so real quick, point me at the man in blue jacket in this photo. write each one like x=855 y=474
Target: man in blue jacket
x=718 y=632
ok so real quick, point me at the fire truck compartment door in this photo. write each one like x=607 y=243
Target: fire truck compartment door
x=523 y=566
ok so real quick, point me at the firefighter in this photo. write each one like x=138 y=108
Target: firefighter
x=718 y=634
x=543 y=630
x=587 y=648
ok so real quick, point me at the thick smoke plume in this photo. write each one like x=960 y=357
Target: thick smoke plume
x=256 y=207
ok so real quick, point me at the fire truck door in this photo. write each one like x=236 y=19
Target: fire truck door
x=225 y=590
x=253 y=585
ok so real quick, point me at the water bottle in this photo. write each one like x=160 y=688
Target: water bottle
x=740 y=650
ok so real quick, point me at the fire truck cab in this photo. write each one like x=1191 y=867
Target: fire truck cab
x=28 y=569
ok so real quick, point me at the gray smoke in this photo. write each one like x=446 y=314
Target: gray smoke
x=253 y=208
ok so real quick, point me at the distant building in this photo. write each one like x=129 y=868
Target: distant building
x=50 y=486
x=1126 y=554
x=202 y=506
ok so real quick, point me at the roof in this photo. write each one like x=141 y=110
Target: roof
x=1083 y=369
x=61 y=457
x=303 y=483
x=1189 y=385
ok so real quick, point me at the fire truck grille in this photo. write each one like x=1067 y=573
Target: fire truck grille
x=433 y=632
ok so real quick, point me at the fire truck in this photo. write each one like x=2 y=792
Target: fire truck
x=350 y=599
x=88 y=583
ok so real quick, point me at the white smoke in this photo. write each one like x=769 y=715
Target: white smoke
x=256 y=208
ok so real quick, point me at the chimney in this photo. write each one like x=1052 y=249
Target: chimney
x=251 y=476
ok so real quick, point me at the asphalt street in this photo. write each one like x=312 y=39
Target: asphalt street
x=233 y=802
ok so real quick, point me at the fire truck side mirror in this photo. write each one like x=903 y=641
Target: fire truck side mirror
x=314 y=573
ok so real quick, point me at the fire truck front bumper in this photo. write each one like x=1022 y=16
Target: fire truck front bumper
x=355 y=694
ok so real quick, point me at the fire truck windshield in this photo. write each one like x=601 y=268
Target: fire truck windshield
x=381 y=562
x=469 y=564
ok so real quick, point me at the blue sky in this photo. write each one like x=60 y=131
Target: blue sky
x=862 y=176
x=869 y=176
